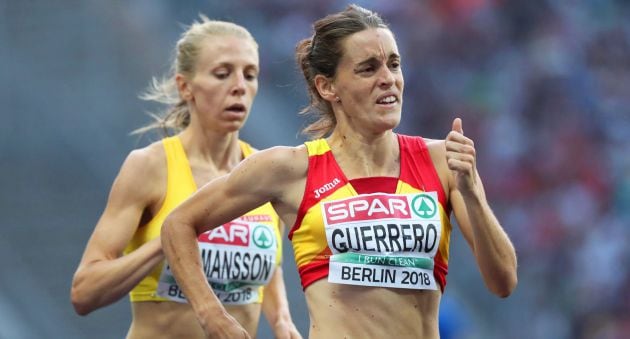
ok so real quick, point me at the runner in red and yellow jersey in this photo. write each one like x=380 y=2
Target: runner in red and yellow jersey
x=378 y=231
x=370 y=208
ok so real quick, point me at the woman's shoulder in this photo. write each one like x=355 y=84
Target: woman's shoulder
x=146 y=163
x=140 y=177
x=276 y=167
x=149 y=155
x=274 y=171
x=281 y=158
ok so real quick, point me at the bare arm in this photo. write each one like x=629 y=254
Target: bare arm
x=275 y=306
x=492 y=248
x=260 y=178
x=104 y=275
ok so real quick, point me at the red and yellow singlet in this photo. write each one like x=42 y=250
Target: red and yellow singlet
x=388 y=232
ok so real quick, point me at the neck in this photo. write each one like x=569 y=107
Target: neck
x=365 y=156
x=219 y=150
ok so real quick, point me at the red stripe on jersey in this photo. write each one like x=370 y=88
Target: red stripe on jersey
x=316 y=269
x=375 y=185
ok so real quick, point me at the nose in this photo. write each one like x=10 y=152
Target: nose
x=386 y=78
x=238 y=86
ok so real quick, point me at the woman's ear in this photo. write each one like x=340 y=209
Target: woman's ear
x=183 y=87
x=326 y=88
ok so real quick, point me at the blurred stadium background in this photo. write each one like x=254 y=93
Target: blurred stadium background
x=543 y=87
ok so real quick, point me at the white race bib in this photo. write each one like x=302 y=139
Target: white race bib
x=237 y=258
x=386 y=240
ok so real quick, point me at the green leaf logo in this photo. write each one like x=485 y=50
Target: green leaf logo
x=262 y=236
x=424 y=206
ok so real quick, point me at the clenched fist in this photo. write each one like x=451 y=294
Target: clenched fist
x=460 y=157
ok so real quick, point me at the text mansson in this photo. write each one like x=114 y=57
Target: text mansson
x=237 y=259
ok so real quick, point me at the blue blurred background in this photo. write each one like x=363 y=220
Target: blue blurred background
x=543 y=87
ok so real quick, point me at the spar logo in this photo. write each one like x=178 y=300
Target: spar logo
x=366 y=207
x=232 y=233
x=262 y=237
x=424 y=206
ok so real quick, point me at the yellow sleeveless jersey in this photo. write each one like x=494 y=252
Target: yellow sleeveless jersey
x=238 y=257
x=380 y=231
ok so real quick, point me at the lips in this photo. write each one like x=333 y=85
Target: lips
x=387 y=99
x=236 y=108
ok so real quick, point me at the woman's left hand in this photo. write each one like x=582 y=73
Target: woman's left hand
x=461 y=158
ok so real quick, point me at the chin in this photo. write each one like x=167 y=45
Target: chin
x=233 y=126
x=384 y=127
x=391 y=121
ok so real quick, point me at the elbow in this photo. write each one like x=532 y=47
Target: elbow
x=504 y=286
x=83 y=297
x=80 y=302
x=81 y=309
x=171 y=224
x=502 y=278
x=177 y=226
x=168 y=228
x=505 y=291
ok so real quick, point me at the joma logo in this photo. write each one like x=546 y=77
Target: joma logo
x=327 y=187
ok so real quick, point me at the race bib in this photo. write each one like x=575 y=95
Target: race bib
x=385 y=240
x=238 y=258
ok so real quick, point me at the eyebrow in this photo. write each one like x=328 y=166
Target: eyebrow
x=229 y=64
x=373 y=59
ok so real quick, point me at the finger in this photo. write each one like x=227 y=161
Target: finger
x=458 y=165
x=458 y=137
x=457 y=126
x=462 y=157
x=458 y=147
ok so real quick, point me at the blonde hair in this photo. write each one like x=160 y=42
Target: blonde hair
x=176 y=116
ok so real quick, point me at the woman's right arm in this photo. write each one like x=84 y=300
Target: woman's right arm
x=265 y=176
x=104 y=274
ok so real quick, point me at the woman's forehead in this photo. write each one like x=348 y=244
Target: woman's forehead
x=370 y=43
x=228 y=46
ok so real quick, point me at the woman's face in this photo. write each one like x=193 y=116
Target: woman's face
x=225 y=82
x=369 y=81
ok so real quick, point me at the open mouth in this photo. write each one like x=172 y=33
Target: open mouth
x=236 y=108
x=387 y=100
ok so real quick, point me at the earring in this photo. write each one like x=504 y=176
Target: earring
x=337 y=99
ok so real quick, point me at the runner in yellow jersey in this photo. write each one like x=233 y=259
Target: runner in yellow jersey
x=212 y=87
x=370 y=208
